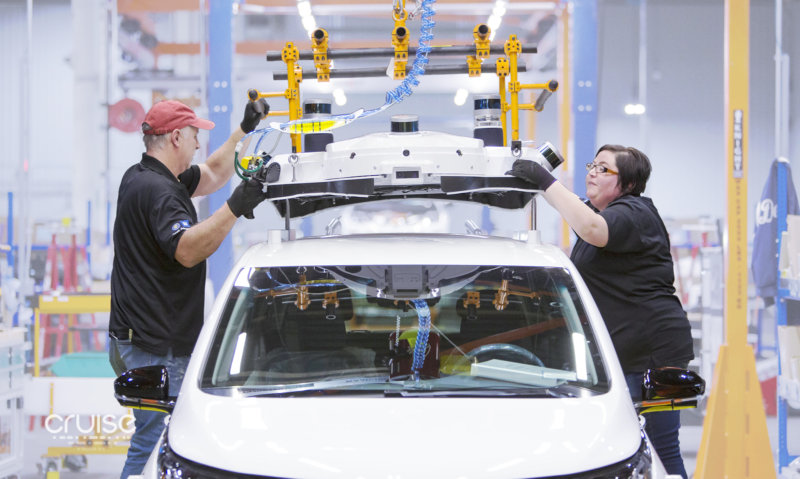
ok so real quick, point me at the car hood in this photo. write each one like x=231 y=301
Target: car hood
x=356 y=437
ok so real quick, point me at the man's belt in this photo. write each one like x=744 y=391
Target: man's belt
x=122 y=334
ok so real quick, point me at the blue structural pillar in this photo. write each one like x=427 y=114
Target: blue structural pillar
x=10 y=255
x=220 y=64
x=584 y=88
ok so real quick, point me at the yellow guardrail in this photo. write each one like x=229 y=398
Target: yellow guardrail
x=64 y=304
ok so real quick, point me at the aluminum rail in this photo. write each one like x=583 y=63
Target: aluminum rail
x=453 y=50
x=381 y=72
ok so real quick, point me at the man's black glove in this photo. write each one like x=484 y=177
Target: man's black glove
x=246 y=197
x=254 y=112
x=533 y=172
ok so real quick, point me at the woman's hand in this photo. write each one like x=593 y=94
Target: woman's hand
x=532 y=172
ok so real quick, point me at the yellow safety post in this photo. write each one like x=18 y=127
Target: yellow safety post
x=512 y=49
x=531 y=136
x=290 y=56
x=400 y=38
x=502 y=73
x=319 y=45
x=735 y=443
x=481 y=38
x=564 y=113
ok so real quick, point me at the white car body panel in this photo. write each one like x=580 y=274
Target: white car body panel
x=320 y=438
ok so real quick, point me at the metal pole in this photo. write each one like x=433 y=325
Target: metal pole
x=358 y=53
x=643 y=73
x=378 y=72
x=778 y=76
x=565 y=110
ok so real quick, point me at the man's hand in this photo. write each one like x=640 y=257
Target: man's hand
x=533 y=172
x=246 y=197
x=254 y=112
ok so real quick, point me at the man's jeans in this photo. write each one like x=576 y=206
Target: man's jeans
x=149 y=424
x=662 y=429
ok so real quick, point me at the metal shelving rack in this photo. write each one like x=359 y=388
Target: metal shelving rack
x=787 y=389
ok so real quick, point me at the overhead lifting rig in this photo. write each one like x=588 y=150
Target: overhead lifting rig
x=507 y=68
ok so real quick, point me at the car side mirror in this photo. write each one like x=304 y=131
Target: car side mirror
x=670 y=389
x=144 y=388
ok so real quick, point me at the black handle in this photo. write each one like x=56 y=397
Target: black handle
x=543 y=96
x=252 y=94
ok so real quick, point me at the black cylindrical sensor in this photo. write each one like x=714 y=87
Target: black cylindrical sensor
x=551 y=154
x=317 y=108
x=488 y=125
x=405 y=124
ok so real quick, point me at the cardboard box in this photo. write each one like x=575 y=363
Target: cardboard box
x=789 y=341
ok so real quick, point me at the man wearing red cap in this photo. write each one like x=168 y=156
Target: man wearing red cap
x=159 y=273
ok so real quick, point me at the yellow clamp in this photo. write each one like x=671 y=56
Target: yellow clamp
x=400 y=38
x=481 y=36
x=319 y=45
x=502 y=67
x=481 y=39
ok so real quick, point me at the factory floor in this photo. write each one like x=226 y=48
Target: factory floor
x=108 y=467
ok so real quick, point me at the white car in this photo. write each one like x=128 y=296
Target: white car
x=404 y=356
x=398 y=216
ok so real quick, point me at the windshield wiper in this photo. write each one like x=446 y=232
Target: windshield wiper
x=480 y=392
x=311 y=387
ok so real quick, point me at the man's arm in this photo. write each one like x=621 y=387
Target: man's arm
x=217 y=171
x=202 y=240
x=218 y=168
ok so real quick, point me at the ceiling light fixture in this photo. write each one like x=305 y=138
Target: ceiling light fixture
x=637 y=109
x=339 y=97
x=461 y=96
x=496 y=18
x=304 y=9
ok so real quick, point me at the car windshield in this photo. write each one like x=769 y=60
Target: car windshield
x=404 y=330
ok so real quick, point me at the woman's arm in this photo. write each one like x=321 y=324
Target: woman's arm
x=588 y=225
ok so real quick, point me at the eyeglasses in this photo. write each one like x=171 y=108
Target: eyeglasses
x=600 y=169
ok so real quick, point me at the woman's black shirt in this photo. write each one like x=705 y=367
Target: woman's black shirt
x=631 y=280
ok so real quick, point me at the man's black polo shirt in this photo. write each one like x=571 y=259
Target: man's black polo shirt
x=152 y=294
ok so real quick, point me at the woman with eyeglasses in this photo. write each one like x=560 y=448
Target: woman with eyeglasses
x=623 y=255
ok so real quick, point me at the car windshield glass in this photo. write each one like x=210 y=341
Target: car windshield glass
x=360 y=329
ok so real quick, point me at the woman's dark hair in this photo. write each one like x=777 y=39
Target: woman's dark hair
x=633 y=166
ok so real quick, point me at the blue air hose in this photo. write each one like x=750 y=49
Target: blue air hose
x=424 y=314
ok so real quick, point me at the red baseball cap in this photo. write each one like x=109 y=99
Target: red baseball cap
x=169 y=115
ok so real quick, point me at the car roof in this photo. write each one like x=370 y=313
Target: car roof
x=427 y=249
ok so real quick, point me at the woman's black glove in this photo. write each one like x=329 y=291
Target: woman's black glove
x=246 y=197
x=254 y=112
x=533 y=172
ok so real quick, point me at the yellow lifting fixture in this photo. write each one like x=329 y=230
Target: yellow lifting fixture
x=481 y=35
x=400 y=38
x=319 y=45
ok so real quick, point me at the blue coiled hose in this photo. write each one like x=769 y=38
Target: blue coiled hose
x=424 y=314
x=421 y=61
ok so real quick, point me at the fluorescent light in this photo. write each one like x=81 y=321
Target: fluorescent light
x=236 y=363
x=491 y=35
x=304 y=8
x=309 y=23
x=637 y=109
x=461 y=96
x=579 y=346
x=499 y=11
x=494 y=22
